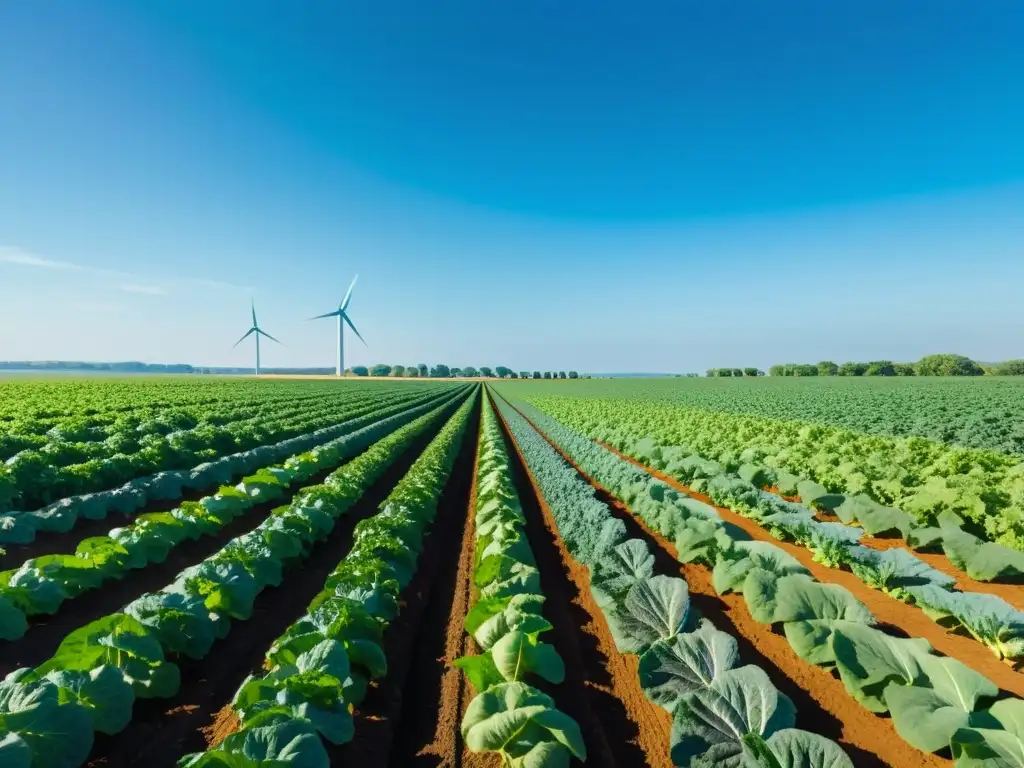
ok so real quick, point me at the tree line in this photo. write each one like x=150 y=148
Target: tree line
x=441 y=371
x=930 y=365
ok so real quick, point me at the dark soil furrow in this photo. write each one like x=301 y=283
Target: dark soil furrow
x=400 y=712
x=601 y=690
x=162 y=730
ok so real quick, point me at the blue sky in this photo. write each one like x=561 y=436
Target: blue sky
x=658 y=186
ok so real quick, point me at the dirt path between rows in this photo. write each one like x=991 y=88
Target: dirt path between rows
x=1011 y=593
x=898 y=618
x=161 y=730
x=400 y=712
x=434 y=739
x=601 y=691
x=822 y=703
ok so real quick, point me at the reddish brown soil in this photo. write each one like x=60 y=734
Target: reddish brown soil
x=899 y=618
x=437 y=741
x=1011 y=593
x=401 y=712
x=602 y=692
x=163 y=730
x=822 y=704
x=225 y=722
x=45 y=633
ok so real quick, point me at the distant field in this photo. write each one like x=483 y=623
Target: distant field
x=975 y=412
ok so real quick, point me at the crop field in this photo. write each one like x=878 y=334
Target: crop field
x=621 y=573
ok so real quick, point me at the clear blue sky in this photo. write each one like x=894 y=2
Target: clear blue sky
x=600 y=186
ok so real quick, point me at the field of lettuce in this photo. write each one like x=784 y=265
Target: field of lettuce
x=215 y=572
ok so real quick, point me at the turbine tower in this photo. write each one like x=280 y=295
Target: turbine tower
x=259 y=332
x=343 y=318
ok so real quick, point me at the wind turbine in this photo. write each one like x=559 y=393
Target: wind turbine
x=343 y=318
x=259 y=332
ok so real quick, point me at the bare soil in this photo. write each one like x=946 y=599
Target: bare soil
x=822 y=703
x=163 y=730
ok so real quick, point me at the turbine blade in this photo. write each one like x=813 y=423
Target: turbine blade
x=247 y=335
x=264 y=333
x=254 y=323
x=347 y=320
x=348 y=296
x=335 y=313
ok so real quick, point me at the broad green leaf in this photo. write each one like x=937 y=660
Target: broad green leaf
x=868 y=660
x=671 y=668
x=517 y=654
x=654 y=609
x=103 y=691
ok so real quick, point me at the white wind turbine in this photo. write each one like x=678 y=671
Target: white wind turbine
x=258 y=332
x=343 y=318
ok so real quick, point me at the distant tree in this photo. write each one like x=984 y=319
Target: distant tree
x=561 y=374
x=455 y=372
x=536 y=374
x=737 y=372
x=752 y=372
x=359 y=370
x=777 y=370
x=947 y=365
x=502 y=372
x=1009 y=368
x=880 y=368
x=805 y=370
x=380 y=369
x=469 y=371
x=853 y=369
x=486 y=372
x=525 y=375
x=904 y=369
x=547 y=374
x=828 y=368
x=440 y=371
x=424 y=371
x=513 y=375
x=397 y=370
x=573 y=375
x=412 y=372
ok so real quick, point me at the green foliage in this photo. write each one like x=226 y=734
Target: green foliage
x=947 y=365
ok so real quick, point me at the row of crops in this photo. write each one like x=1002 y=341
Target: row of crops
x=502 y=575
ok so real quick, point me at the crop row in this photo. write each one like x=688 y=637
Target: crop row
x=32 y=478
x=322 y=665
x=918 y=477
x=506 y=620
x=48 y=714
x=936 y=702
x=41 y=584
x=61 y=516
x=721 y=711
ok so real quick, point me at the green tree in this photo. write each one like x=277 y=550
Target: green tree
x=397 y=370
x=561 y=374
x=502 y=372
x=513 y=375
x=828 y=368
x=547 y=374
x=880 y=368
x=525 y=375
x=536 y=374
x=412 y=372
x=486 y=372
x=1009 y=368
x=777 y=370
x=424 y=371
x=360 y=370
x=852 y=369
x=903 y=369
x=573 y=375
x=805 y=370
x=947 y=365
x=469 y=372
x=380 y=369
x=455 y=373
x=440 y=371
